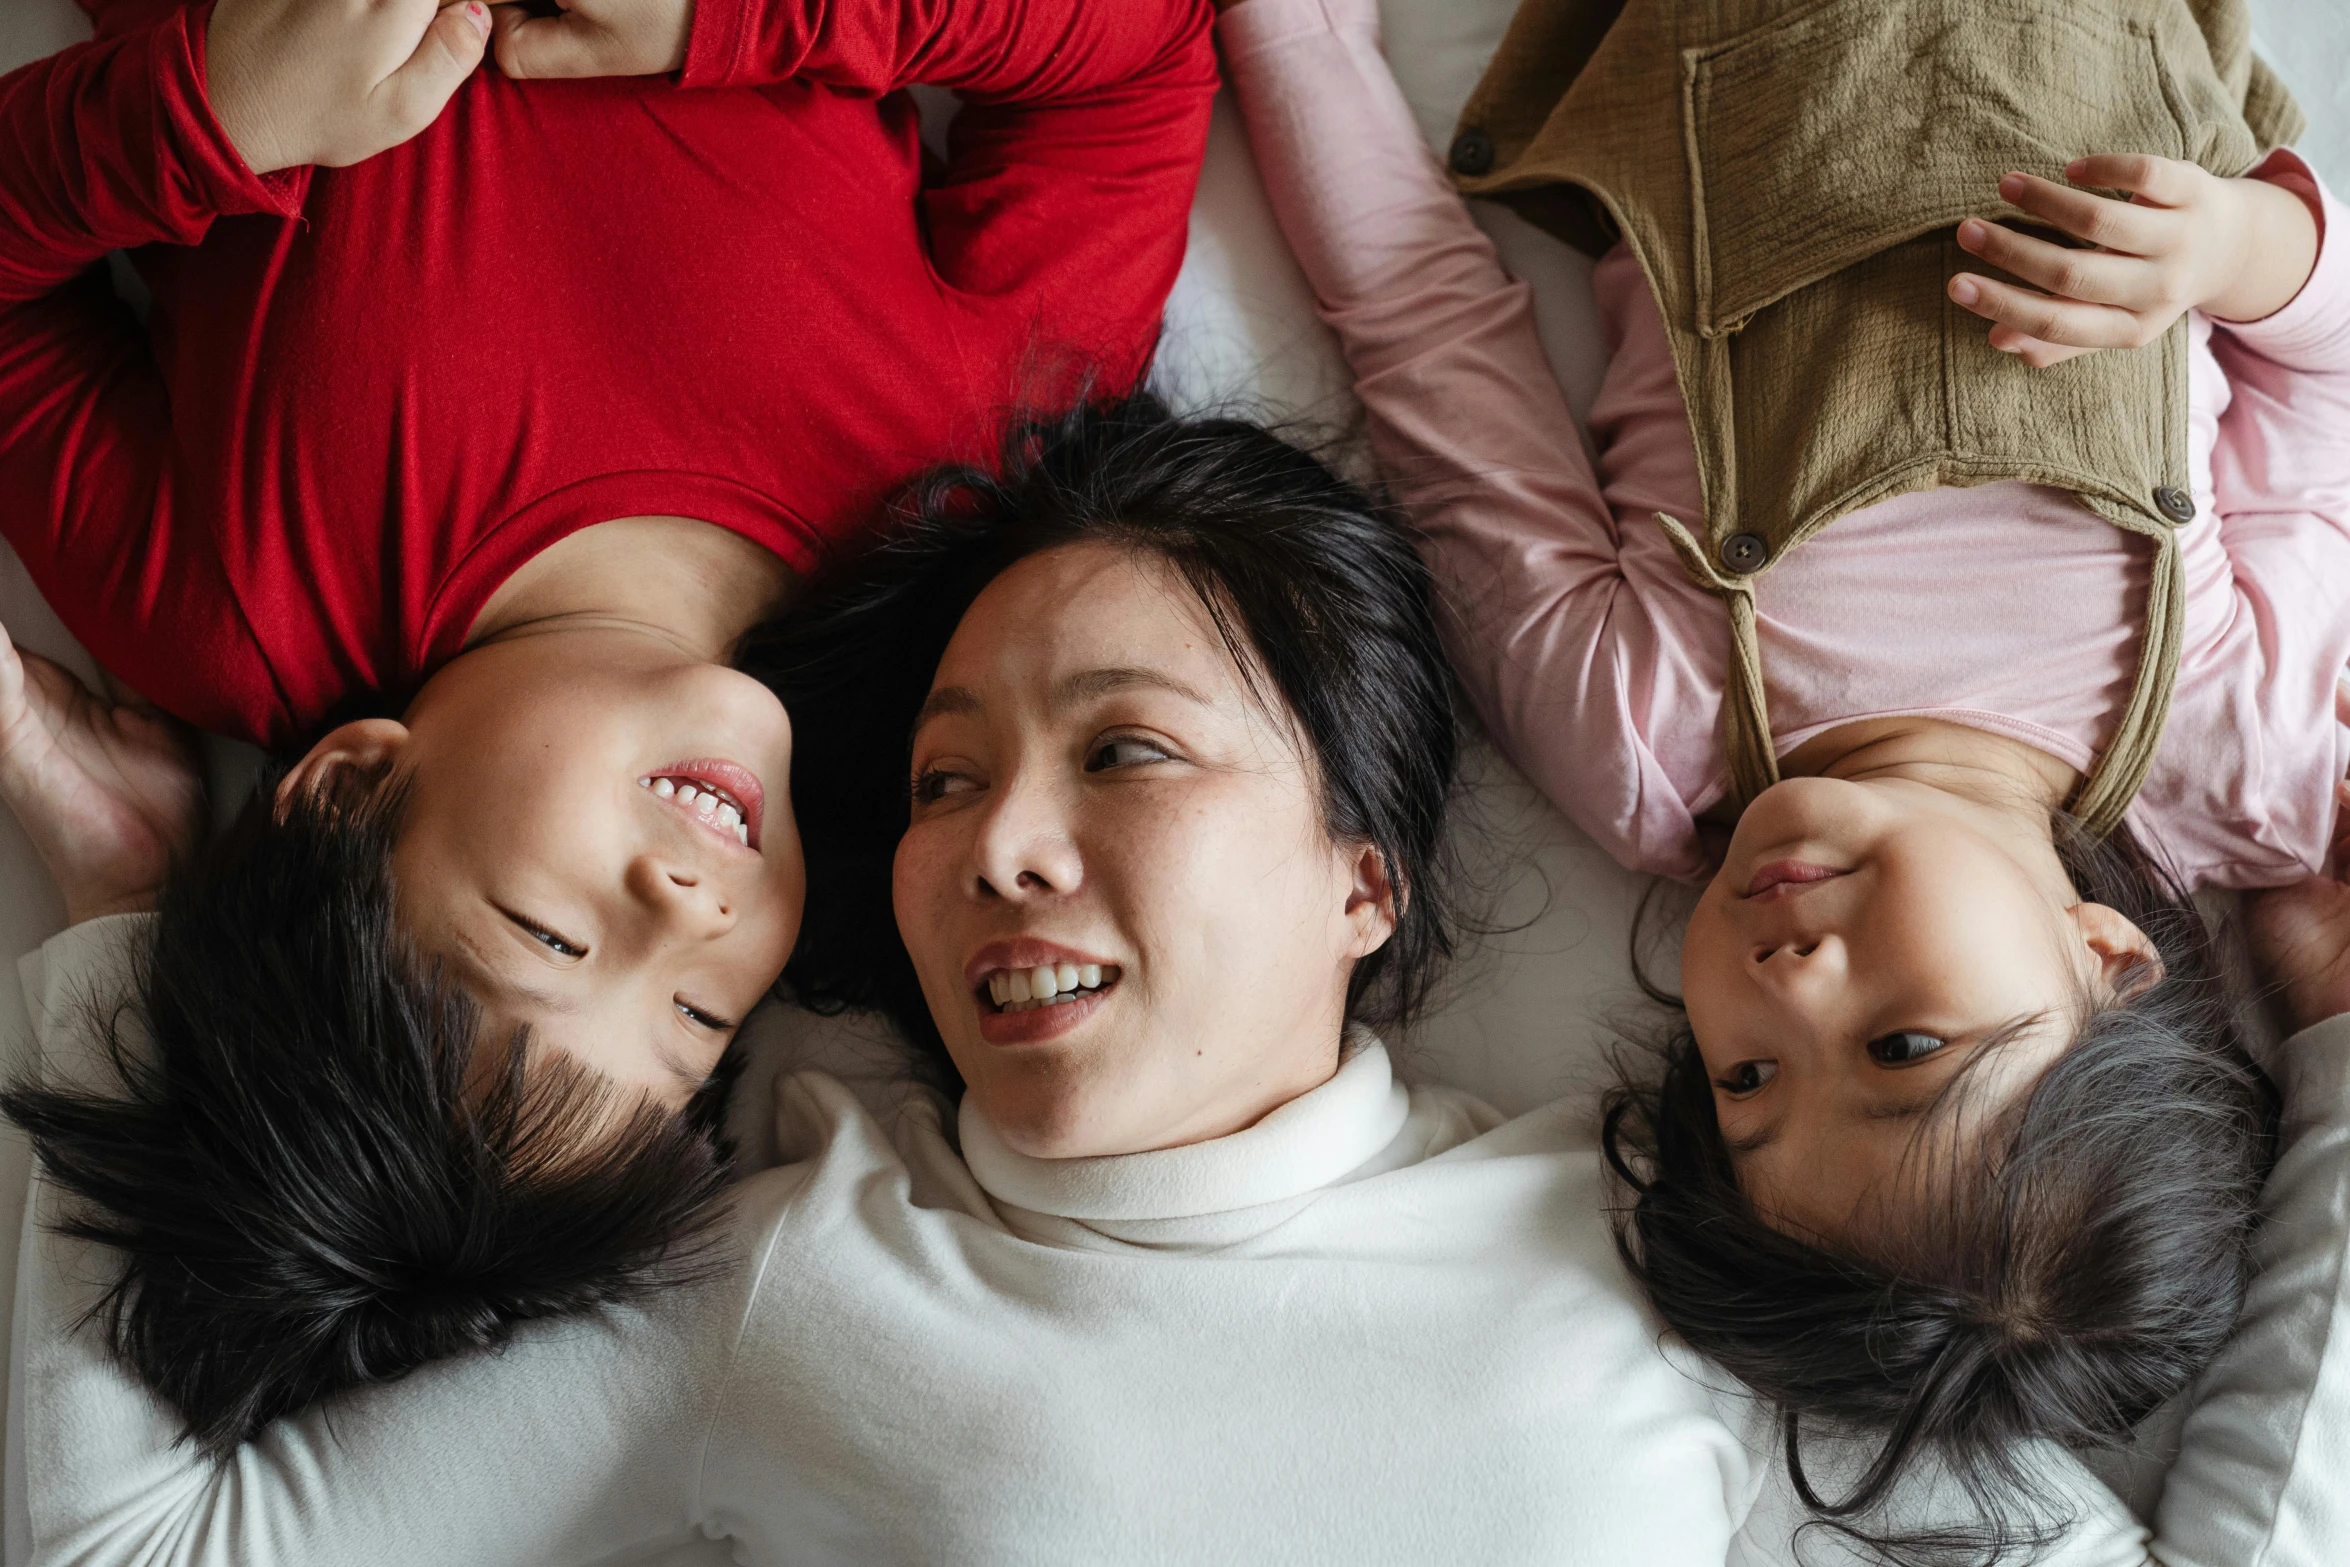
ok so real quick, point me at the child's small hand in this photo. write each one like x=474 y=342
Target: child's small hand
x=2301 y=934
x=109 y=795
x=332 y=82
x=595 y=38
x=2188 y=240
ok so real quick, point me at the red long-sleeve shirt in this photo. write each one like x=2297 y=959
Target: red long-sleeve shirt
x=366 y=396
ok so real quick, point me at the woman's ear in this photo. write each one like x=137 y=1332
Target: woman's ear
x=1370 y=903
x=2127 y=963
x=367 y=745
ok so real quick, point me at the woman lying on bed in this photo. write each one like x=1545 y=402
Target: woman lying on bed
x=1187 y=1275
x=454 y=476
x=1961 y=1143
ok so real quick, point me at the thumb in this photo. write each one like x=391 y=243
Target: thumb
x=449 y=52
x=566 y=44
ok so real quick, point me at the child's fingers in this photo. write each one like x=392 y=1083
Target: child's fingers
x=2098 y=276
x=2031 y=350
x=2085 y=215
x=11 y=678
x=566 y=45
x=2067 y=323
x=2165 y=182
x=450 y=51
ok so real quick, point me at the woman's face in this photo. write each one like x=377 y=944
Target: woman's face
x=551 y=855
x=1100 y=802
x=1860 y=943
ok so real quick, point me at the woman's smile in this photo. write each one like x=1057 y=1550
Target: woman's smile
x=1028 y=990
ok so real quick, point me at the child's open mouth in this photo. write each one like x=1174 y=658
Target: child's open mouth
x=722 y=796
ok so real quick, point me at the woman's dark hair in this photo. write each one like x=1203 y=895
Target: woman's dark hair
x=2075 y=1274
x=1316 y=590
x=317 y=1170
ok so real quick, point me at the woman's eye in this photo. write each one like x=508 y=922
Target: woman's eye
x=1747 y=1076
x=1125 y=752
x=937 y=783
x=708 y=1020
x=1903 y=1047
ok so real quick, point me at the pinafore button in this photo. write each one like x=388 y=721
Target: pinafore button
x=1745 y=552
x=1472 y=153
x=2175 y=503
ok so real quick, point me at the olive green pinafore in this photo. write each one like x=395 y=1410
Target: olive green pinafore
x=1790 y=175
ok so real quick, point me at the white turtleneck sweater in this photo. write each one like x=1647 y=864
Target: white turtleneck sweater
x=1381 y=1325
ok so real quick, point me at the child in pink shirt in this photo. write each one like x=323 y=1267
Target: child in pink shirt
x=1961 y=1143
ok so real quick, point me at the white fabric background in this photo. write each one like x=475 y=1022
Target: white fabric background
x=1525 y=1019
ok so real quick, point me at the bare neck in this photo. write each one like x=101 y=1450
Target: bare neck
x=1990 y=769
x=690 y=583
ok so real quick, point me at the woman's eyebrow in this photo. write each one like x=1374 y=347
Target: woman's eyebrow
x=1093 y=683
x=946 y=699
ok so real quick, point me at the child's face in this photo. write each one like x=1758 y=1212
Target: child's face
x=1861 y=941
x=622 y=926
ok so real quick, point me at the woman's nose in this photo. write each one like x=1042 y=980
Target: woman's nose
x=1024 y=848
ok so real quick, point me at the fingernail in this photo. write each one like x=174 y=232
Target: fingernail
x=1964 y=291
x=479 y=15
x=1970 y=233
x=2075 y=167
x=2011 y=187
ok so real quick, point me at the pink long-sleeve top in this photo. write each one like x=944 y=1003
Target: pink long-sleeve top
x=1598 y=664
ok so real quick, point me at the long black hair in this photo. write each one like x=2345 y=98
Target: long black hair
x=1315 y=588
x=2076 y=1274
x=317 y=1168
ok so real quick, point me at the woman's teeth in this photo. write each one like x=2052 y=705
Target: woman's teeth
x=709 y=804
x=1047 y=985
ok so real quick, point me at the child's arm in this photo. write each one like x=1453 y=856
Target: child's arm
x=1070 y=168
x=115 y=144
x=1470 y=429
x=2237 y=250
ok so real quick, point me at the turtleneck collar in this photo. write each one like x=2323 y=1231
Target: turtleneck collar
x=1201 y=1194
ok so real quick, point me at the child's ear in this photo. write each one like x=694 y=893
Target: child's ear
x=1371 y=903
x=2128 y=965
x=367 y=745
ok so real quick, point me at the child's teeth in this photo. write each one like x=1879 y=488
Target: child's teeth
x=728 y=816
x=742 y=834
x=685 y=795
x=707 y=805
x=664 y=788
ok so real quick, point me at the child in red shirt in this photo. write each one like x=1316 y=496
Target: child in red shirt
x=511 y=423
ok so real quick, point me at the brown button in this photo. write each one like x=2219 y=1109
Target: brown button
x=1745 y=552
x=1472 y=153
x=2175 y=503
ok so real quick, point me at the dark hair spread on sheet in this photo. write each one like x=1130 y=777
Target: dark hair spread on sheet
x=1318 y=592
x=318 y=1170
x=2061 y=1286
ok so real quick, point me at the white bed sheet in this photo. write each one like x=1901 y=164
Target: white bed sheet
x=1528 y=1013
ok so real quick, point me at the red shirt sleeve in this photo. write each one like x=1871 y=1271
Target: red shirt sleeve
x=112 y=144
x=1071 y=168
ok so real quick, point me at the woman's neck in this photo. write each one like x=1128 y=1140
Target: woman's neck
x=1990 y=769
x=690 y=583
